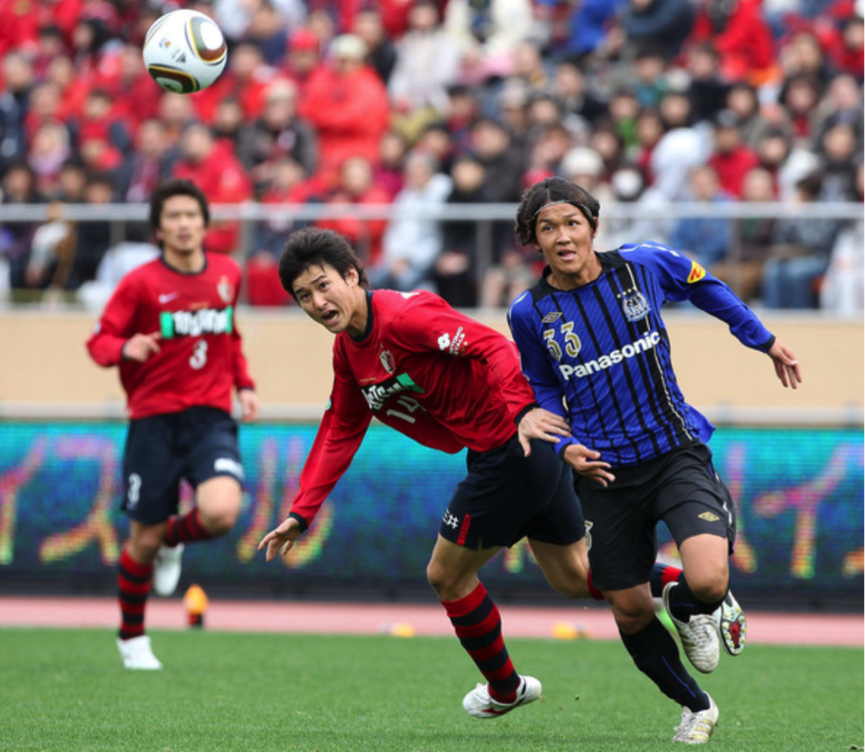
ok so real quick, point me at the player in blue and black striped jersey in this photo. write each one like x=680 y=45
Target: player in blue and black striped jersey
x=597 y=353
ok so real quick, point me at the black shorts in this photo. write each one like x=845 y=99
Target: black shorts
x=681 y=488
x=507 y=496
x=196 y=444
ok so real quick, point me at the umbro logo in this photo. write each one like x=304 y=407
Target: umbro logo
x=450 y=520
x=710 y=517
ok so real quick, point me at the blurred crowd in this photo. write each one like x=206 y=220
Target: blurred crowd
x=425 y=103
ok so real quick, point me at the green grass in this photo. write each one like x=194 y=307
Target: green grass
x=66 y=690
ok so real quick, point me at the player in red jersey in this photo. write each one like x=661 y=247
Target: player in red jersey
x=449 y=383
x=171 y=330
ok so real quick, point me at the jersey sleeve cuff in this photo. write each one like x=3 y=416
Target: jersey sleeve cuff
x=767 y=346
x=519 y=416
x=563 y=445
x=300 y=519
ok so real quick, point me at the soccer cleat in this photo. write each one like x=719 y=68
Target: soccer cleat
x=166 y=569
x=699 y=636
x=137 y=654
x=697 y=726
x=480 y=704
x=732 y=625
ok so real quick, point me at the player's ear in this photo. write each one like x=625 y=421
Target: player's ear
x=352 y=277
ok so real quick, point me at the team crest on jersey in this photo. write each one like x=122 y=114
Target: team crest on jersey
x=636 y=307
x=387 y=361
x=225 y=289
x=697 y=272
x=551 y=317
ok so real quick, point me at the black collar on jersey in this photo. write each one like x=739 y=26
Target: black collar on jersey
x=180 y=271
x=609 y=260
x=368 y=327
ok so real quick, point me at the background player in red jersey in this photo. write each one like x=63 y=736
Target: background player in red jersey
x=449 y=383
x=170 y=329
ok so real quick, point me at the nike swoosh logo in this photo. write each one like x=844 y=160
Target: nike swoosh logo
x=167 y=297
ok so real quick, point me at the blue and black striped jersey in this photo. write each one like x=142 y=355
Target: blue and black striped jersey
x=600 y=354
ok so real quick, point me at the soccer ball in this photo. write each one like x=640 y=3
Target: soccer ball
x=184 y=51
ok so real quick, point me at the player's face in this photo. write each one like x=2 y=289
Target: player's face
x=181 y=226
x=336 y=303
x=565 y=237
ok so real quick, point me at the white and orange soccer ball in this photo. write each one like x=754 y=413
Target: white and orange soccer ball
x=184 y=51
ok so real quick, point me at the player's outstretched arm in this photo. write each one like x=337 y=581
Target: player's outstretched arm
x=140 y=347
x=786 y=365
x=541 y=424
x=280 y=539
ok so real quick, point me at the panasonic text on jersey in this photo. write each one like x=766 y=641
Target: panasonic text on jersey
x=646 y=342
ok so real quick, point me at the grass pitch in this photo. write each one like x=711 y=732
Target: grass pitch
x=66 y=690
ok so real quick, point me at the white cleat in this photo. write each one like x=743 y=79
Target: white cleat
x=699 y=636
x=137 y=654
x=480 y=704
x=697 y=726
x=732 y=625
x=166 y=569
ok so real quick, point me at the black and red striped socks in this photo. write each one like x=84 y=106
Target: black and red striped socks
x=133 y=583
x=181 y=529
x=478 y=625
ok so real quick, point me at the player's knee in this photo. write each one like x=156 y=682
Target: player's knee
x=711 y=587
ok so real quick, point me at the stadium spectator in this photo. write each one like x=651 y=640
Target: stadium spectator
x=840 y=157
x=731 y=158
x=18 y=186
x=179 y=392
x=277 y=133
x=707 y=90
x=786 y=163
x=647 y=79
x=586 y=25
x=92 y=237
x=456 y=266
x=135 y=98
x=847 y=57
x=742 y=267
x=50 y=147
x=176 y=113
x=427 y=62
x=742 y=37
x=675 y=155
x=629 y=188
x=742 y=100
x=17 y=78
x=357 y=186
x=800 y=253
x=52 y=242
x=205 y=161
x=487 y=34
x=389 y=168
x=245 y=78
x=663 y=24
x=571 y=90
x=347 y=103
x=705 y=239
x=624 y=109
x=413 y=241
x=585 y=305
x=267 y=28
x=152 y=161
x=381 y=51
x=648 y=131
x=302 y=57
x=841 y=104
x=843 y=287
x=800 y=96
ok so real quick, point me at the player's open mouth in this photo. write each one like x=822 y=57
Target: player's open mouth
x=329 y=316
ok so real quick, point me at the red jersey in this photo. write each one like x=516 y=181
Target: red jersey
x=427 y=371
x=200 y=356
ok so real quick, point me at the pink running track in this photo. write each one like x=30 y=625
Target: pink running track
x=417 y=619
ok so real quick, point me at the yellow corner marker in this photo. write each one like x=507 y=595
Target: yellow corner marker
x=195 y=602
